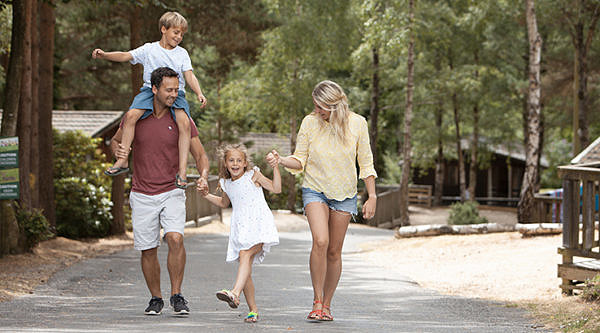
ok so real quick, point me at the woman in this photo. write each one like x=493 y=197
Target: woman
x=330 y=142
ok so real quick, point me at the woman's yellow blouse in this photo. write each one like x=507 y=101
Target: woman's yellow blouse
x=330 y=166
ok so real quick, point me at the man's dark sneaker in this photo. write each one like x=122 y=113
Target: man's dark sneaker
x=155 y=306
x=179 y=305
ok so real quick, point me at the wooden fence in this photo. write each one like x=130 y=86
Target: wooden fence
x=548 y=209
x=580 y=234
x=387 y=214
x=197 y=208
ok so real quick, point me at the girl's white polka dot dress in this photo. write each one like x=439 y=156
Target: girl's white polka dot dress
x=251 y=218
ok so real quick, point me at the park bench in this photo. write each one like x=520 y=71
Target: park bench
x=580 y=248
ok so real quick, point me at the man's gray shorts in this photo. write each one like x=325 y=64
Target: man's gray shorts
x=150 y=212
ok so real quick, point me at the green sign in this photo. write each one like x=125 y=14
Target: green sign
x=9 y=168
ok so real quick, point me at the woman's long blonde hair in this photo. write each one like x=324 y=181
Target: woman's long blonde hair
x=329 y=96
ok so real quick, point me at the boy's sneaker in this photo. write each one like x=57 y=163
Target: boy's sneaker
x=179 y=305
x=155 y=306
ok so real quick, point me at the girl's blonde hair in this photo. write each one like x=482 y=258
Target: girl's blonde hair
x=172 y=19
x=329 y=96
x=222 y=155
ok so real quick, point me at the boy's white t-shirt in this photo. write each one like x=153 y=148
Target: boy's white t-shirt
x=153 y=56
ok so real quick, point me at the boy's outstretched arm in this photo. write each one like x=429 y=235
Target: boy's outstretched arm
x=112 y=56
x=191 y=79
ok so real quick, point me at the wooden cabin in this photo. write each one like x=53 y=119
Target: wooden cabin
x=500 y=184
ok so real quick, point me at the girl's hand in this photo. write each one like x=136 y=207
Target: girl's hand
x=369 y=207
x=202 y=100
x=273 y=158
x=202 y=186
x=97 y=54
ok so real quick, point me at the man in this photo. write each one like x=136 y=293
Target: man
x=154 y=199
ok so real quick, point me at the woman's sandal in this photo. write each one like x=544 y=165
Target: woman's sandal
x=252 y=317
x=229 y=297
x=326 y=316
x=315 y=314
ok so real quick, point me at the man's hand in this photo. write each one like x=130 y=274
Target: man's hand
x=202 y=186
x=202 y=100
x=97 y=54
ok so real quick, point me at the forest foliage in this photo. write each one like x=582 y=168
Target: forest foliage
x=257 y=62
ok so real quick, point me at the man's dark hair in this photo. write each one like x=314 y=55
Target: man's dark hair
x=158 y=74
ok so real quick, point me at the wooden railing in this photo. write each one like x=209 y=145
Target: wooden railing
x=197 y=208
x=419 y=195
x=580 y=236
x=387 y=214
x=548 y=209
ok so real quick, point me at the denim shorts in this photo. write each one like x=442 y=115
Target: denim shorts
x=144 y=101
x=346 y=205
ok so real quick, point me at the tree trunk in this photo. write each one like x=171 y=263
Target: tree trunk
x=46 y=68
x=290 y=179
x=374 y=112
x=439 y=161
x=407 y=148
x=118 y=184
x=582 y=44
x=461 y=162
x=24 y=117
x=35 y=105
x=9 y=230
x=526 y=208
x=474 y=143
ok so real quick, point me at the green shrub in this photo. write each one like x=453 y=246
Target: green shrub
x=82 y=191
x=82 y=209
x=34 y=224
x=465 y=213
x=591 y=289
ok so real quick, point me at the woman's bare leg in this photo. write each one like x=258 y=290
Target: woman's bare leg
x=338 y=225
x=317 y=214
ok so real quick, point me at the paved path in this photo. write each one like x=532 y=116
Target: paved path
x=107 y=294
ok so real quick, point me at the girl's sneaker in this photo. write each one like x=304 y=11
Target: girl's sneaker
x=155 y=306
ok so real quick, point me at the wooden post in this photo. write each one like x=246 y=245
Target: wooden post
x=490 y=179
x=587 y=214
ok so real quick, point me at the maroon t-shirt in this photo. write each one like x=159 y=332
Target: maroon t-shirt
x=156 y=154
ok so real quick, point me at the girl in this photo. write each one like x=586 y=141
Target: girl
x=331 y=140
x=253 y=230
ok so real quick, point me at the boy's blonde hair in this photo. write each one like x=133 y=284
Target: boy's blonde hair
x=172 y=19
x=222 y=155
x=329 y=96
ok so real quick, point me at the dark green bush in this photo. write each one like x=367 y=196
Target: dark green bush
x=591 y=289
x=82 y=209
x=465 y=213
x=34 y=224
x=82 y=191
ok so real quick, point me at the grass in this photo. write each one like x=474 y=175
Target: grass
x=570 y=314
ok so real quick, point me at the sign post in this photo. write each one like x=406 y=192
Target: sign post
x=9 y=168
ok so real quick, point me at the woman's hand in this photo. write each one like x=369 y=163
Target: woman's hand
x=273 y=158
x=368 y=208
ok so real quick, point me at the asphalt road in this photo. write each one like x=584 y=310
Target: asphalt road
x=108 y=294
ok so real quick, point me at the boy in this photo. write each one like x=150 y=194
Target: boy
x=164 y=53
